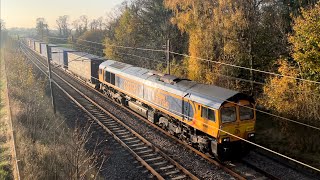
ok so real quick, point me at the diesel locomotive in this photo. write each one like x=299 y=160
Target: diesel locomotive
x=192 y=111
x=205 y=116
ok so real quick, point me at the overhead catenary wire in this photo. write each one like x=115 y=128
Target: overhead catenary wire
x=233 y=135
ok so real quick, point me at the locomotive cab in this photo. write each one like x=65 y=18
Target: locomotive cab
x=235 y=120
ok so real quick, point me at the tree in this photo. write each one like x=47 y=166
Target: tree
x=296 y=100
x=250 y=33
x=94 y=25
x=305 y=41
x=94 y=36
x=215 y=30
x=42 y=28
x=101 y=24
x=2 y=24
x=143 y=23
x=63 y=26
x=3 y=31
x=84 y=20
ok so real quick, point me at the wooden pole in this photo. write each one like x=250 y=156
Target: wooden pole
x=168 y=56
x=50 y=81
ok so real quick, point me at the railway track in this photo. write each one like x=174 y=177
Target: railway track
x=225 y=167
x=153 y=159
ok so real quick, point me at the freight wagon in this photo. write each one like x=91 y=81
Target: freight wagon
x=44 y=50
x=38 y=45
x=60 y=56
x=85 y=66
x=32 y=45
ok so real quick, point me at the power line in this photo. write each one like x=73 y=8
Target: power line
x=277 y=116
x=257 y=145
x=128 y=54
x=246 y=68
x=117 y=46
x=218 y=74
x=274 y=115
x=133 y=55
x=202 y=59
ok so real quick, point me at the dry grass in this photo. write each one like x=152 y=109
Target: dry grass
x=43 y=139
x=5 y=146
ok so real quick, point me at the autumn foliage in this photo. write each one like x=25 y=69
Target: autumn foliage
x=279 y=36
x=306 y=42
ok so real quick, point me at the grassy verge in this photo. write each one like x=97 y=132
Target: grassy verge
x=5 y=146
x=47 y=147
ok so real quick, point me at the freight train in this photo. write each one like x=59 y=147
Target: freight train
x=205 y=116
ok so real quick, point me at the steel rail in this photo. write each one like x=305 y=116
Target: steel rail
x=209 y=159
x=139 y=158
x=223 y=166
x=191 y=148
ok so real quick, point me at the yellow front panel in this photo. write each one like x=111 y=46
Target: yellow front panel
x=238 y=128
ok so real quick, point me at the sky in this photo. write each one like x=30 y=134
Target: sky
x=23 y=13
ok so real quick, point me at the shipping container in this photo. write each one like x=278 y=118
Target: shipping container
x=38 y=46
x=85 y=65
x=60 y=55
x=28 y=42
x=32 y=41
x=44 y=50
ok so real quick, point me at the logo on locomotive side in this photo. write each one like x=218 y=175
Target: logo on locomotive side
x=131 y=87
x=161 y=99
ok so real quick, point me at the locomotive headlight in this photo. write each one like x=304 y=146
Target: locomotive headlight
x=250 y=135
x=227 y=139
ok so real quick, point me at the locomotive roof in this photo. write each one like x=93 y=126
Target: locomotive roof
x=208 y=95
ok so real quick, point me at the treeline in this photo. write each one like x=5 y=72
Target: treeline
x=280 y=36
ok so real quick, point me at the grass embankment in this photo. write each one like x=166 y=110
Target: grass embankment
x=5 y=145
x=47 y=148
